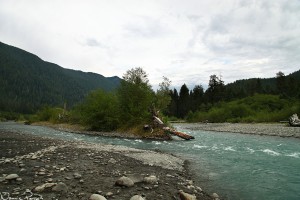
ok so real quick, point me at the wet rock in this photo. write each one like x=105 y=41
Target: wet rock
x=137 y=197
x=150 y=179
x=186 y=196
x=60 y=187
x=12 y=177
x=97 y=197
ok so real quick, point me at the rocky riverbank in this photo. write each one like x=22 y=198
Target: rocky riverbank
x=282 y=130
x=44 y=168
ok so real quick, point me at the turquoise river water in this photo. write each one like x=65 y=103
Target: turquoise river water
x=236 y=166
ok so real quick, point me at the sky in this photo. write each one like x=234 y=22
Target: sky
x=183 y=40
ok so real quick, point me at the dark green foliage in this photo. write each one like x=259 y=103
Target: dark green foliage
x=28 y=83
x=47 y=113
x=99 y=111
x=163 y=98
x=216 y=89
x=258 y=108
x=183 y=101
x=173 y=106
x=136 y=97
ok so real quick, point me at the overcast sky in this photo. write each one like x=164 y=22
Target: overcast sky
x=184 y=40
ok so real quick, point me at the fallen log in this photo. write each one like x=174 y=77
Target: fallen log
x=177 y=133
x=158 y=123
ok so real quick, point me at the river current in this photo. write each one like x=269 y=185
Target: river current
x=236 y=166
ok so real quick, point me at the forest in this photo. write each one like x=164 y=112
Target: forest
x=36 y=90
x=128 y=107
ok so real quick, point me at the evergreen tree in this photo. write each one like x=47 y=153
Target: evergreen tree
x=281 y=83
x=216 y=89
x=173 y=106
x=184 y=101
x=197 y=97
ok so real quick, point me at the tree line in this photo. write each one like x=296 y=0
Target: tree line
x=198 y=99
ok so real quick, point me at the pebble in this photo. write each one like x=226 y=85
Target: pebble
x=60 y=187
x=150 y=179
x=186 y=196
x=97 y=197
x=44 y=187
x=77 y=175
x=112 y=160
x=12 y=177
x=109 y=194
x=137 y=197
x=124 y=181
x=215 y=196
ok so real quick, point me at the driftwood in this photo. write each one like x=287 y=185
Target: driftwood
x=158 y=123
x=294 y=120
x=179 y=134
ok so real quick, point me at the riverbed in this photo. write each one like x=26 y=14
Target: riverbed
x=237 y=166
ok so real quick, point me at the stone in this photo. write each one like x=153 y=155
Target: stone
x=186 y=196
x=60 y=187
x=150 y=179
x=199 y=189
x=44 y=187
x=137 y=197
x=19 y=179
x=97 y=197
x=215 y=196
x=12 y=177
x=124 y=181
x=109 y=194
x=77 y=176
x=112 y=160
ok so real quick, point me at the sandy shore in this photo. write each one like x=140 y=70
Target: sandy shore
x=45 y=168
x=281 y=130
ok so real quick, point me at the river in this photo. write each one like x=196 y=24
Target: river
x=236 y=166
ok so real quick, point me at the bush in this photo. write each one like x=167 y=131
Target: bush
x=258 y=108
x=99 y=111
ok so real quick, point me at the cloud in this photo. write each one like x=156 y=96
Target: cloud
x=186 y=41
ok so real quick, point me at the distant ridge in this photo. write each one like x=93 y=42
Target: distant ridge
x=27 y=82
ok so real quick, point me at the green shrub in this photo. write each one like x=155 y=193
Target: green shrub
x=258 y=108
x=99 y=111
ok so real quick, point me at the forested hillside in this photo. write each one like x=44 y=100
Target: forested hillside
x=27 y=82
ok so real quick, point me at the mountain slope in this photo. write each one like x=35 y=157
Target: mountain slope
x=27 y=82
x=289 y=86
